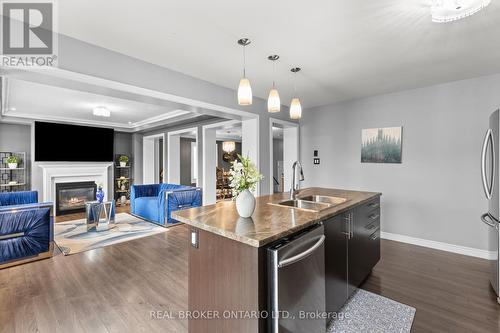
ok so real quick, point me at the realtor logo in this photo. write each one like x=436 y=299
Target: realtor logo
x=27 y=33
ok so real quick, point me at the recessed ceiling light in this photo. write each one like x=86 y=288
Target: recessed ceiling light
x=101 y=111
x=452 y=10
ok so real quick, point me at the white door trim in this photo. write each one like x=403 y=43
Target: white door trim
x=147 y=164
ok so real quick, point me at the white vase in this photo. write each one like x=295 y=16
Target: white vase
x=12 y=165
x=245 y=203
x=123 y=164
x=123 y=200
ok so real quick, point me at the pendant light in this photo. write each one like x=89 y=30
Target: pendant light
x=295 y=107
x=244 y=89
x=273 y=101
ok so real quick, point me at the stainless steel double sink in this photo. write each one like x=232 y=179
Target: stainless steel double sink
x=315 y=203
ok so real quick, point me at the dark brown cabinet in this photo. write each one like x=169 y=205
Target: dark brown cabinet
x=336 y=262
x=352 y=249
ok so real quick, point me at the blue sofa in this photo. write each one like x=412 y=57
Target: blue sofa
x=156 y=202
x=26 y=228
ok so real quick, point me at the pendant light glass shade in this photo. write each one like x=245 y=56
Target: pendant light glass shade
x=295 y=109
x=273 y=101
x=244 y=92
x=228 y=146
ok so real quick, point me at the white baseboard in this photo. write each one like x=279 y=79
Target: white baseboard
x=468 y=251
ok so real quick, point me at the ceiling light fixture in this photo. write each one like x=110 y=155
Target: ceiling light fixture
x=452 y=10
x=295 y=107
x=244 y=89
x=273 y=101
x=101 y=111
x=228 y=146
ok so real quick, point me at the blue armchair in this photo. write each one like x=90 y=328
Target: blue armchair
x=26 y=228
x=156 y=202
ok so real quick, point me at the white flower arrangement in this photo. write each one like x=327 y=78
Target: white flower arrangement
x=244 y=175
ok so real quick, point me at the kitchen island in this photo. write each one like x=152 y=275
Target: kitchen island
x=228 y=263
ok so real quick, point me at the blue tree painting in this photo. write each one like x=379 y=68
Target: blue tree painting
x=381 y=145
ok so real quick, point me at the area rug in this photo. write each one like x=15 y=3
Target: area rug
x=368 y=312
x=72 y=236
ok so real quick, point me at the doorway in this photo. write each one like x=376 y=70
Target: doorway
x=218 y=152
x=284 y=150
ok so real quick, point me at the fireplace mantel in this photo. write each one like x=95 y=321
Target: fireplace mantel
x=64 y=172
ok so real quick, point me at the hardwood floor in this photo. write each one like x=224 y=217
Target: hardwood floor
x=451 y=292
x=114 y=289
x=111 y=289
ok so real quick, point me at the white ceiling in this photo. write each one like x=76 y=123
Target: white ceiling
x=347 y=49
x=46 y=102
x=233 y=132
x=229 y=132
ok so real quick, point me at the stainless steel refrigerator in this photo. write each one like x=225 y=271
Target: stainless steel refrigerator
x=490 y=175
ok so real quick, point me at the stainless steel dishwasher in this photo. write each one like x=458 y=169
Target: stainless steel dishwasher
x=297 y=282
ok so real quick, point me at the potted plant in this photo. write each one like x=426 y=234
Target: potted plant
x=13 y=161
x=244 y=178
x=123 y=160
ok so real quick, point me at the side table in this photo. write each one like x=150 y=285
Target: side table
x=100 y=216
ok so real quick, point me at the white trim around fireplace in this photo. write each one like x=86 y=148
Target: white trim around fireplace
x=64 y=172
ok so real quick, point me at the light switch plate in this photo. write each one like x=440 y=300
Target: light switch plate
x=194 y=238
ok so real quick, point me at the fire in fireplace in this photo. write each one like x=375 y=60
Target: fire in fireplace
x=71 y=197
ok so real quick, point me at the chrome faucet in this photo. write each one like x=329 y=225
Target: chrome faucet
x=295 y=184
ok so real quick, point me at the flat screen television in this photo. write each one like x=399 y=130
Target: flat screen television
x=71 y=143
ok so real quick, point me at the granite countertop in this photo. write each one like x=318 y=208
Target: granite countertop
x=269 y=222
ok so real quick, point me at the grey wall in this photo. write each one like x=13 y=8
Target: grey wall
x=123 y=143
x=16 y=137
x=137 y=153
x=186 y=161
x=436 y=193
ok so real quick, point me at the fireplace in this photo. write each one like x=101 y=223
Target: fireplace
x=71 y=197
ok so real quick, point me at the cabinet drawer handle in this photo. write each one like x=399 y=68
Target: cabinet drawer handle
x=374 y=216
x=373 y=205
